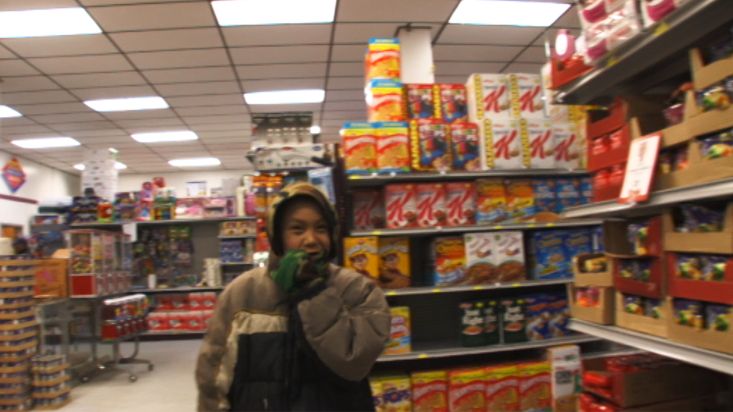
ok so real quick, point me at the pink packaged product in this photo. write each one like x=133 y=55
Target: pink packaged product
x=368 y=209
x=208 y=300
x=179 y=302
x=401 y=205
x=177 y=320
x=653 y=11
x=194 y=301
x=430 y=205
x=541 y=144
x=460 y=199
x=193 y=321
x=158 y=321
x=605 y=35
x=594 y=11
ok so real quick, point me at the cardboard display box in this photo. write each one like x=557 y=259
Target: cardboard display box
x=709 y=242
x=718 y=291
x=702 y=338
x=583 y=278
x=703 y=75
x=639 y=323
x=602 y=314
x=615 y=237
x=654 y=288
x=52 y=278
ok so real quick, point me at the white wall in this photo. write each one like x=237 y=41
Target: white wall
x=177 y=180
x=42 y=183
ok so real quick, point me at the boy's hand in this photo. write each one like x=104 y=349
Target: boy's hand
x=296 y=269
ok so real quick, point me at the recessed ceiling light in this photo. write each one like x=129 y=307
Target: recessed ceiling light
x=195 y=162
x=127 y=104
x=259 y=12
x=165 y=137
x=508 y=13
x=46 y=22
x=46 y=142
x=315 y=129
x=286 y=96
x=118 y=166
x=6 y=112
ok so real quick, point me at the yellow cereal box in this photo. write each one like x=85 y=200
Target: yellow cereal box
x=393 y=147
x=384 y=101
x=394 y=262
x=375 y=383
x=361 y=254
x=467 y=390
x=400 y=332
x=383 y=59
x=502 y=388
x=360 y=148
x=429 y=391
x=535 y=386
x=396 y=393
x=491 y=200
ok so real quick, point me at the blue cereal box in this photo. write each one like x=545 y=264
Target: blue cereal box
x=550 y=261
x=586 y=190
x=568 y=193
x=597 y=237
x=545 y=199
x=577 y=242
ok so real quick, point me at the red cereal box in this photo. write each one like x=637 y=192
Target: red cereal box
x=429 y=144
x=453 y=107
x=541 y=144
x=430 y=205
x=464 y=142
x=429 y=391
x=502 y=388
x=368 y=209
x=460 y=199
x=535 y=386
x=401 y=205
x=420 y=99
x=467 y=390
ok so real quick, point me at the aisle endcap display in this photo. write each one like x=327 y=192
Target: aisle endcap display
x=602 y=312
x=632 y=315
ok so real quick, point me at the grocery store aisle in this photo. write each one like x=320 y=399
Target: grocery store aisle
x=169 y=388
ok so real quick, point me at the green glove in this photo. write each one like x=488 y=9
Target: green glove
x=295 y=269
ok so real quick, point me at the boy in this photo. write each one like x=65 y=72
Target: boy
x=301 y=334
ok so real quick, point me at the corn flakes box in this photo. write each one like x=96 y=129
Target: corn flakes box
x=535 y=387
x=453 y=102
x=399 y=332
x=421 y=101
x=526 y=96
x=568 y=148
x=488 y=97
x=393 y=147
x=375 y=384
x=520 y=199
x=502 y=388
x=361 y=254
x=401 y=205
x=491 y=201
x=397 y=393
x=449 y=257
x=480 y=267
x=505 y=144
x=368 y=209
x=431 y=205
x=508 y=256
x=429 y=391
x=467 y=390
x=394 y=262
x=430 y=145
x=460 y=200
x=360 y=148
x=384 y=101
x=550 y=260
x=383 y=59
x=541 y=144
x=464 y=144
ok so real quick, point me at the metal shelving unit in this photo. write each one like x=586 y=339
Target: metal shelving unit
x=429 y=290
x=235 y=237
x=237 y=264
x=717 y=361
x=163 y=222
x=381 y=179
x=439 y=230
x=178 y=290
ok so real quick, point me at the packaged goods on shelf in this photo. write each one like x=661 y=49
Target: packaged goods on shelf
x=513 y=320
x=400 y=340
x=568 y=193
x=238 y=228
x=383 y=59
x=491 y=201
x=566 y=371
x=98 y=263
x=166 y=252
x=84 y=209
x=467 y=390
x=505 y=144
x=453 y=102
x=568 y=148
x=368 y=207
x=520 y=199
x=391 y=393
x=465 y=146
x=702 y=324
x=430 y=145
x=541 y=144
x=449 y=258
x=605 y=31
x=429 y=391
x=526 y=96
x=400 y=205
x=394 y=262
x=124 y=317
x=431 y=205
x=535 y=386
x=488 y=97
x=460 y=200
x=553 y=250
x=547 y=316
x=545 y=197
x=421 y=101
x=322 y=178
x=393 y=147
x=52 y=278
x=502 y=388
x=384 y=101
x=508 y=256
x=190 y=208
x=592 y=303
x=480 y=323
x=362 y=255
x=50 y=386
x=480 y=262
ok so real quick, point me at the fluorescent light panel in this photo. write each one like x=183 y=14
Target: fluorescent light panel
x=286 y=97
x=261 y=12
x=46 y=142
x=165 y=137
x=508 y=13
x=195 y=162
x=6 y=112
x=127 y=104
x=315 y=129
x=118 y=166
x=46 y=22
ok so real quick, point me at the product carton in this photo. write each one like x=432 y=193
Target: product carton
x=502 y=388
x=535 y=386
x=361 y=254
x=467 y=390
x=602 y=314
x=526 y=96
x=491 y=201
x=566 y=371
x=384 y=101
x=429 y=391
x=401 y=205
x=368 y=206
x=449 y=257
x=394 y=262
x=400 y=332
x=488 y=97
x=393 y=147
x=431 y=207
x=360 y=148
x=541 y=144
x=505 y=145
x=460 y=201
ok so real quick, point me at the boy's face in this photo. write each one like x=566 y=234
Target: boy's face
x=305 y=228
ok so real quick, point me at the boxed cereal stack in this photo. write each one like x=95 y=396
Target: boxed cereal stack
x=391 y=393
x=429 y=391
x=467 y=390
x=362 y=255
x=50 y=382
x=400 y=341
x=394 y=262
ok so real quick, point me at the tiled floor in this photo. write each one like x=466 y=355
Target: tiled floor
x=170 y=387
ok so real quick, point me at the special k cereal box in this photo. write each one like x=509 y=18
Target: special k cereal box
x=393 y=147
x=464 y=142
x=460 y=200
x=541 y=144
x=399 y=332
x=368 y=209
x=449 y=260
x=396 y=393
x=383 y=59
x=526 y=96
x=502 y=388
x=361 y=254
x=568 y=150
x=535 y=386
x=488 y=97
x=421 y=101
x=429 y=391
x=467 y=390
x=453 y=104
x=505 y=145
x=431 y=210
x=360 y=148
x=394 y=262
x=401 y=205
x=520 y=199
x=384 y=101
x=491 y=201
x=429 y=145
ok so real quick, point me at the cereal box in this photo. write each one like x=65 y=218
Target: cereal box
x=401 y=205
x=467 y=390
x=550 y=261
x=368 y=209
x=526 y=96
x=453 y=105
x=535 y=392
x=586 y=190
x=394 y=262
x=393 y=147
x=566 y=374
x=383 y=59
x=449 y=257
x=429 y=145
x=384 y=101
x=513 y=320
x=545 y=198
x=567 y=193
x=480 y=267
x=488 y=97
x=429 y=391
x=399 y=332
x=505 y=145
x=491 y=200
x=431 y=210
x=508 y=256
x=396 y=393
x=541 y=144
x=567 y=146
x=538 y=316
x=464 y=143
x=472 y=324
x=520 y=199
x=360 y=254
x=360 y=148
x=375 y=384
x=502 y=388
x=421 y=101
x=460 y=199
x=578 y=242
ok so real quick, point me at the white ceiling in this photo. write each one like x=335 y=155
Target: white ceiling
x=175 y=49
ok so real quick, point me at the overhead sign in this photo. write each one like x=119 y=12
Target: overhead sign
x=14 y=175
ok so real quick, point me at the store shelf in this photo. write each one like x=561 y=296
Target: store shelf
x=178 y=290
x=378 y=180
x=236 y=264
x=164 y=222
x=429 y=290
x=448 y=350
x=664 y=198
x=180 y=333
x=717 y=361
x=652 y=47
x=439 y=230
x=237 y=237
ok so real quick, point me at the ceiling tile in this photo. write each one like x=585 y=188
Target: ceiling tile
x=474 y=53
x=279 y=54
x=362 y=32
x=9 y=5
x=53 y=96
x=214 y=135
x=497 y=35
x=352 y=115
x=242 y=127
x=168 y=39
x=67 y=117
x=81 y=64
x=288 y=34
x=396 y=11
x=141 y=114
x=281 y=71
x=568 y=20
x=72 y=127
x=346 y=69
x=345 y=105
x=533 y=54
x=194 y=89
x=52 y=108
x=74 y=81
x=101 y=133
x=353 y=82
x=136 y=124
x=11 y=131
x=208 y=100
x=336 y=95
x=16 y=68
x=212 y=110
x=5 y=53
x=458 y=68
x=190 y=75
x=348 y=53
x=61 y=45
x=114 y=92
x=16 y=121
x=153 y=16
x=267 y=108
x=282 y=84
x=523 y=68
x=28 y=83
x=197 y=120
x=179 y=59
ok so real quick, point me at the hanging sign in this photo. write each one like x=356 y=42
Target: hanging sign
x=13 y=175
x=640 y=167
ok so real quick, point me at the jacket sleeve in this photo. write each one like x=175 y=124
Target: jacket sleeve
x=210 y=356
x=347 y=328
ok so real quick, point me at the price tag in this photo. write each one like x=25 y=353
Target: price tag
x=391 y=293
x=423 y=356
x=498 y=227
x=354 y=177
x=640 y=167
x=612 y=61
x=660 y=29
x=516 y=285
x=531 y=225
x=478 y=287
x=437 y=290
x=551 y=224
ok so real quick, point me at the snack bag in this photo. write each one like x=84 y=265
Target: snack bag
x=431 y=206
x=467 y=390
x=502 y=388
x=429 y=145
x=394 y=262
x=399 y=332
x=384 y=101
x=535 y=392
x=520 y=199
x=491 y=201
x=360 y=254
x=541 y=144
x=396 y=393
x=452 y=102
x=464 y=143
x=460 y=199
x=526 y=96
x=568 y=150
x=480 y=266
x=718 y=317
x=488 y=97
x=513 y=320
x=545 y=198
x=421 y=101
x=393 y=147
x=508 y=256
x=383 y=59
x=506 y=144
x=429 y=391
x=401 y=205
x=449 y=257
x=360 y=148
x=368 y=206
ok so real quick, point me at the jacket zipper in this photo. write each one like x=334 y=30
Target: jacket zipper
x=265 y=404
